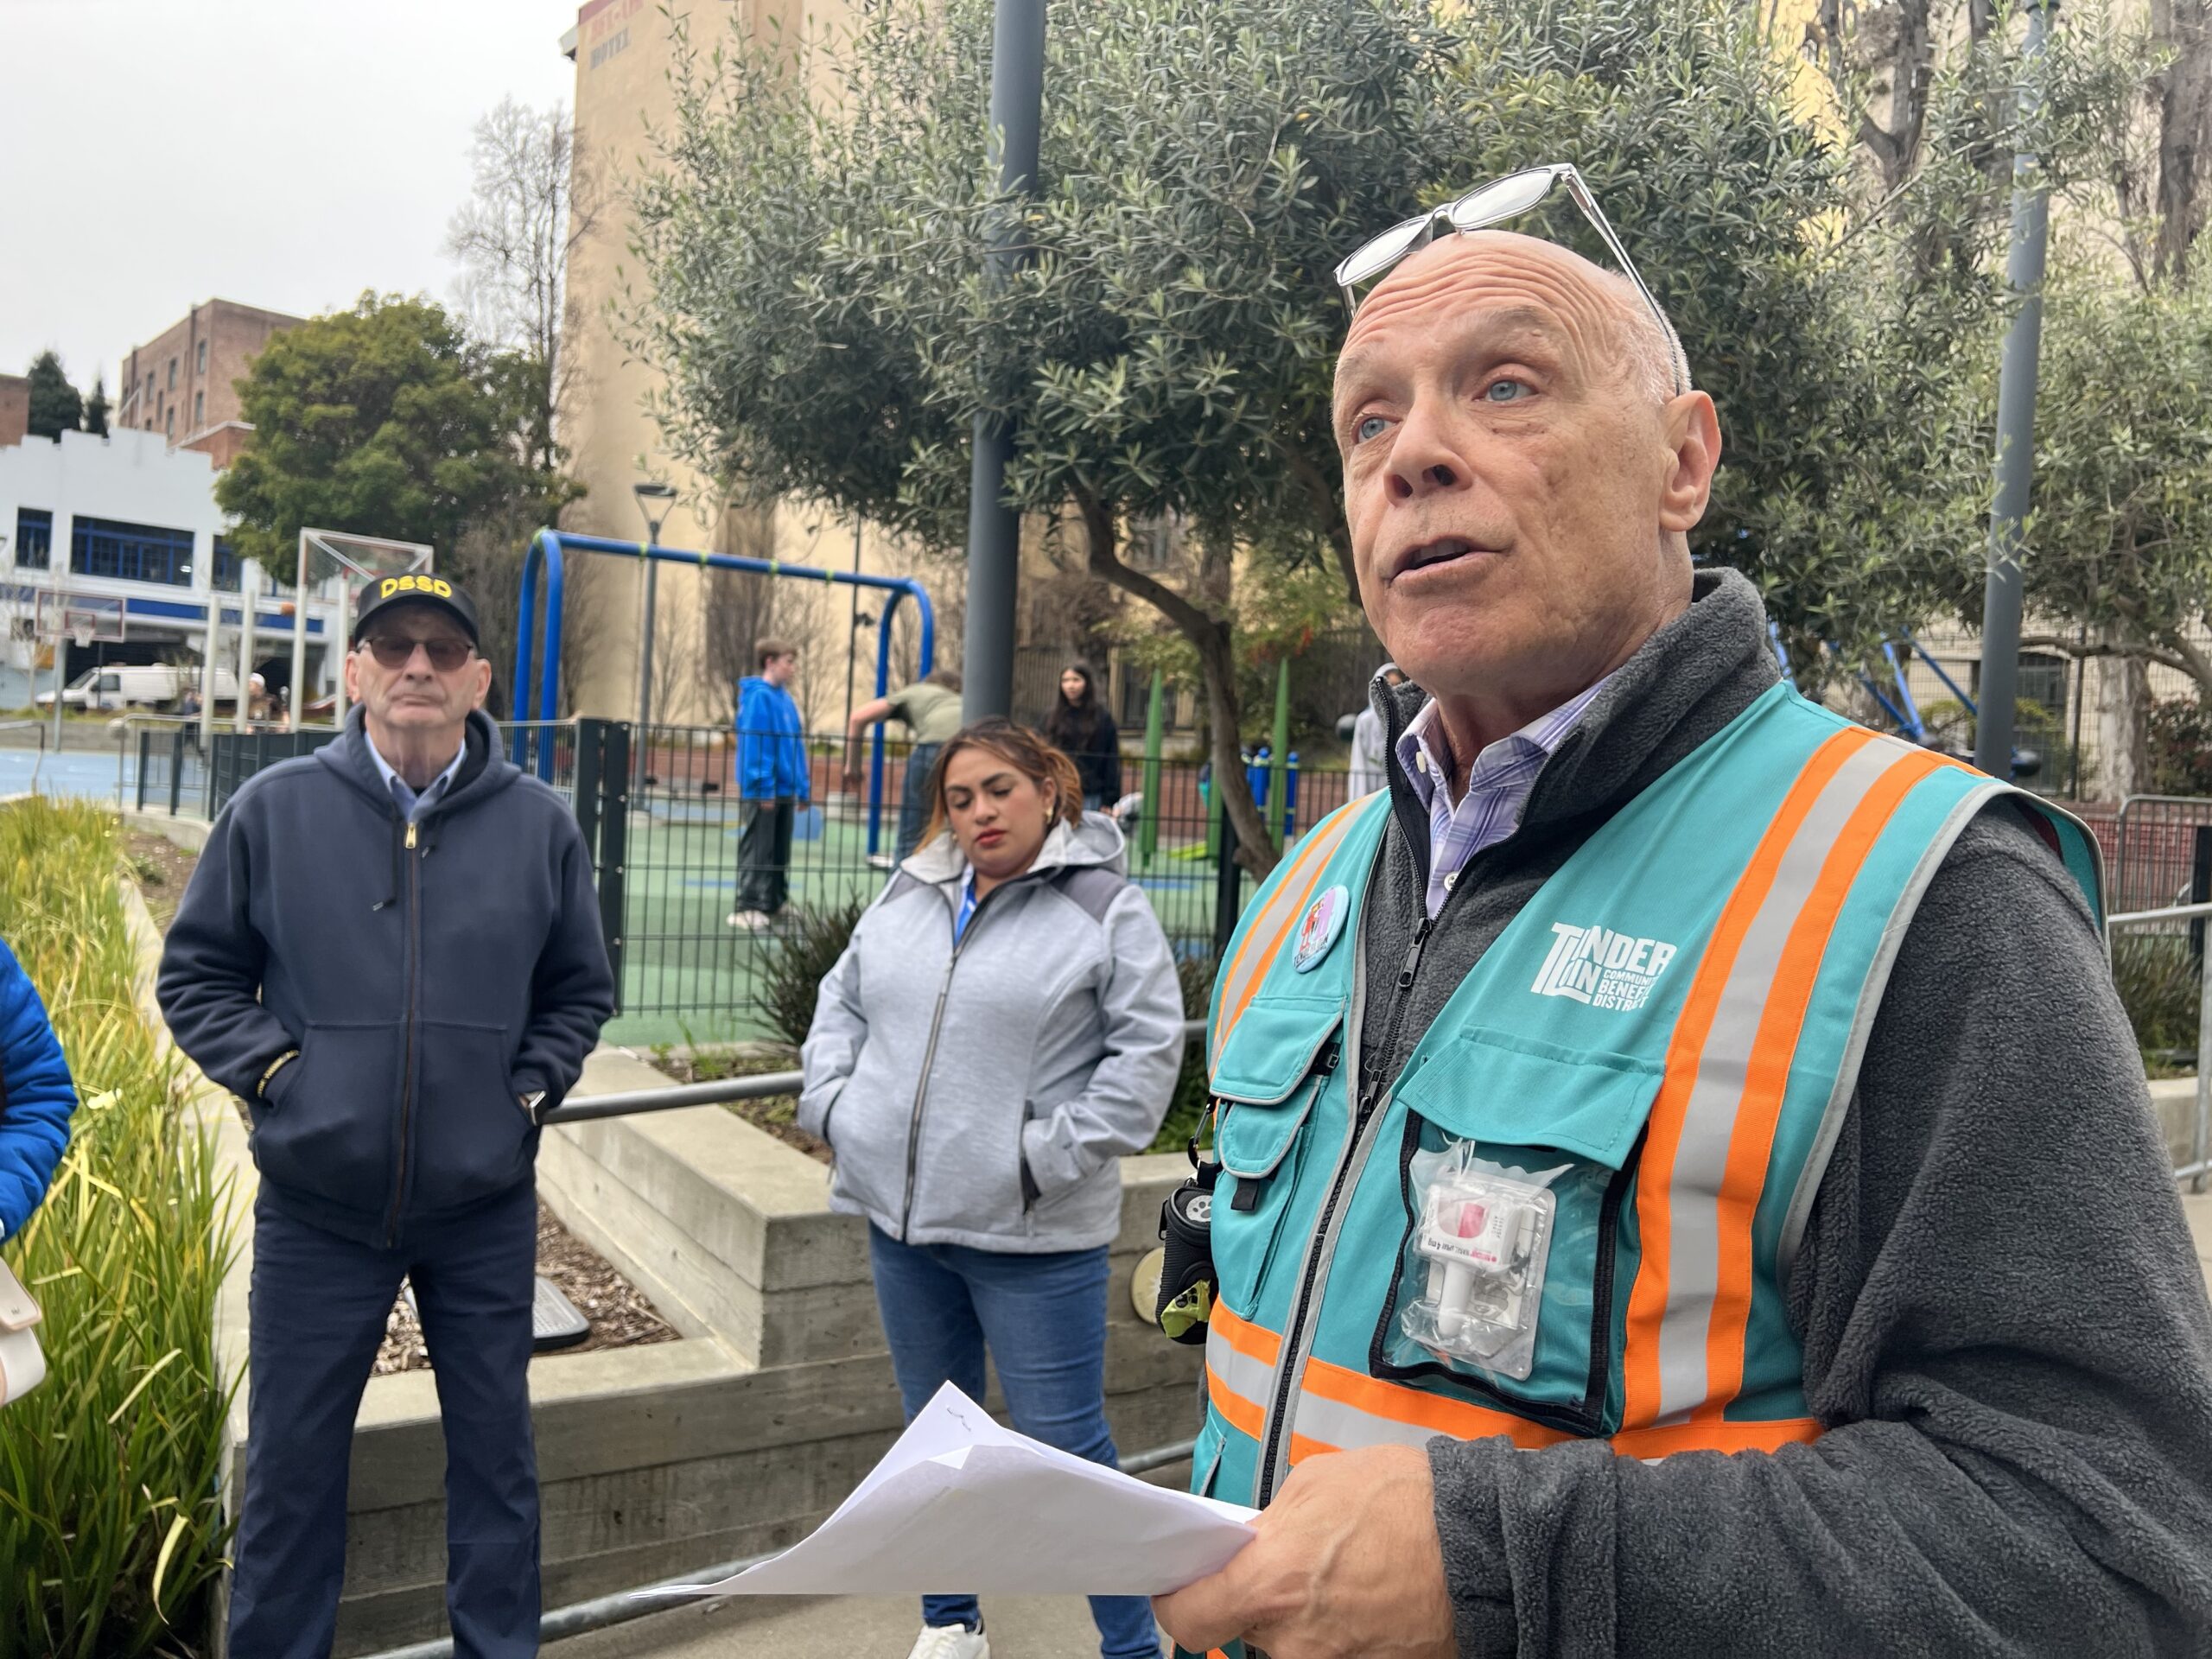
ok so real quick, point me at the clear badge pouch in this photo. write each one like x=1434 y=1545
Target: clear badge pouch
x=1485 y=1233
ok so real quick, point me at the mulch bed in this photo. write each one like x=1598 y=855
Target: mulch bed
x=162 y=869
x=620 y=1316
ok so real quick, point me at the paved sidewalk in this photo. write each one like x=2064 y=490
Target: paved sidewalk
x=854 y=1627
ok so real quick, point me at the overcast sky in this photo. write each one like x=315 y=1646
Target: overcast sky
x=280 y=153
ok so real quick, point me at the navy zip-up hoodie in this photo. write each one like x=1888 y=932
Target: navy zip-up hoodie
x=428 y=980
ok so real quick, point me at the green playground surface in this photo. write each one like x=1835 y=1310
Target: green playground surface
x=687 y=975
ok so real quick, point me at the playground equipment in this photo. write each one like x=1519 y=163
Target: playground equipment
x=548 y=549
x=1899 y=703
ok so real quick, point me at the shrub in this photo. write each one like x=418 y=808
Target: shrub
x=111 y=1531
x=2177 y=732
x=788 y=977
x=2157 y=980
x=1196 y=974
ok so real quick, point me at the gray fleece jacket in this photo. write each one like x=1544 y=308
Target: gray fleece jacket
x=982 y=1095
x=2003 y=1325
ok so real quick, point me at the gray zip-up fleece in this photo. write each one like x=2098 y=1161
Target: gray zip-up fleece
x=2004 y=1325
x=981 y=1095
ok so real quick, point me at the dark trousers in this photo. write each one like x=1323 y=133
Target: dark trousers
x=914 y=801
x=318 y=1307
x=764 y=856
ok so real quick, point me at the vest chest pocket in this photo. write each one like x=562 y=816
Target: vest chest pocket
x=1275 y=1066
x=1530 y=1108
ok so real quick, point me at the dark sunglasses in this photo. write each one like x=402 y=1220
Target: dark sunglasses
x=393 y=651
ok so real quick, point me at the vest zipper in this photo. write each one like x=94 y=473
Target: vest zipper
x=1370 y=1097
x=407 y=1075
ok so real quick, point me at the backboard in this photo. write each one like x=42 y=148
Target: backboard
x=357 y=559
x=82 y=618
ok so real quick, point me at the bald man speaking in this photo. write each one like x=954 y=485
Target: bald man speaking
x=1683 y=1180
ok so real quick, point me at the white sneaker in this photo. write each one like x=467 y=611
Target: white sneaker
x=881 y=861
x=752 y=921
x=951 y=1642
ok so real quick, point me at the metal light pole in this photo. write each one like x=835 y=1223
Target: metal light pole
x=654 y=501
x=2016 y=419
x=994 y=529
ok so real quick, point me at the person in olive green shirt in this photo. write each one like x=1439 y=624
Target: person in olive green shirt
x=929 y=709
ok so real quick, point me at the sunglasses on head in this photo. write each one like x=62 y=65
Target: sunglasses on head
x=396 y=651
x=1480 y=208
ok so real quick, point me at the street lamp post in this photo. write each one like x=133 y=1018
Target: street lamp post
x=993 y=528
x=654 y=501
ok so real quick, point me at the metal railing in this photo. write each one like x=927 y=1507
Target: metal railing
x=2200 y=1136
x=761 y=1085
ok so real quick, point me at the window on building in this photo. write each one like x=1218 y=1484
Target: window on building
x=108 y=547
x=203 y=357
x=229 y=570
x=1151 y=544
x=171 y=385
x=33 y=538
x=199 y=409
x=2040 y=680
x=169 y=425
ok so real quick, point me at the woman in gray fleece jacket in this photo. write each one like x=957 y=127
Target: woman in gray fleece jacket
x=1004 y=1026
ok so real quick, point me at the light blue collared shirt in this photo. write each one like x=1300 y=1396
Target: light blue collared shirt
x=1497 y=788
x=410 y=804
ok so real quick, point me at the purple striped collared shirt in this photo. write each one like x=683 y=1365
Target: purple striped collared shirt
x=1497 y=786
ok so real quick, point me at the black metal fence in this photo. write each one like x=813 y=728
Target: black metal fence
x=666 y=826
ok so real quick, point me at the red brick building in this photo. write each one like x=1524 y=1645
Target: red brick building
x=14 y=408
x=180 y=383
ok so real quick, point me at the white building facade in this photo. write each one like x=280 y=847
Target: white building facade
x=127 y=518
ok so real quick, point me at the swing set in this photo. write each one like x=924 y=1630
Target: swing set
x=549 y=549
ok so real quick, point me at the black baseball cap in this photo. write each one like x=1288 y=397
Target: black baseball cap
x=419 y=587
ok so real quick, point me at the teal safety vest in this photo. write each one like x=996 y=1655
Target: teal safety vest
x=1675 y=1022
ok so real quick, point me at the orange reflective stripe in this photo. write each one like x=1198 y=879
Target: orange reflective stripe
x=1431 y=1414
x=1276 y=923
x=1766 y=1079
x=1647 y=1300
x=1341 y=1409
x=1241 y=1414
x=1253 y=1341
x=1664 y=1439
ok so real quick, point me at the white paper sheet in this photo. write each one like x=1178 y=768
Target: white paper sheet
x=963 y=1505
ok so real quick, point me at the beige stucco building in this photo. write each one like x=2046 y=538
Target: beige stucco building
x=622 y=52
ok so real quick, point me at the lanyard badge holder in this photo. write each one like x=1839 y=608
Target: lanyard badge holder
x=22 y=1365
x=1485 y=1234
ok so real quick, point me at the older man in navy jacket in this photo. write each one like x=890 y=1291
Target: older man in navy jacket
x=391 y=951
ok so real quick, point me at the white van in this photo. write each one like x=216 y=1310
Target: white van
x=152 y=685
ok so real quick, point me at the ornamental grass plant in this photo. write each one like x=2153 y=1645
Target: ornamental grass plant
x=111 y=1531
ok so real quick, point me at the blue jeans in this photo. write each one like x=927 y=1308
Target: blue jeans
x=317 y=1311
x=914 y=798
x=1044 y=1317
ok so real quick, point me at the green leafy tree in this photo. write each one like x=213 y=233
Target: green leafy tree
x=821 y=306
x=812 y=251
x=96 y=407
x=56 y=406
x=385 y=420
x=2119 y=542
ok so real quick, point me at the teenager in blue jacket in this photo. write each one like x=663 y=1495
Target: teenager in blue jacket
x=771 y=782
x=36 y=1097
